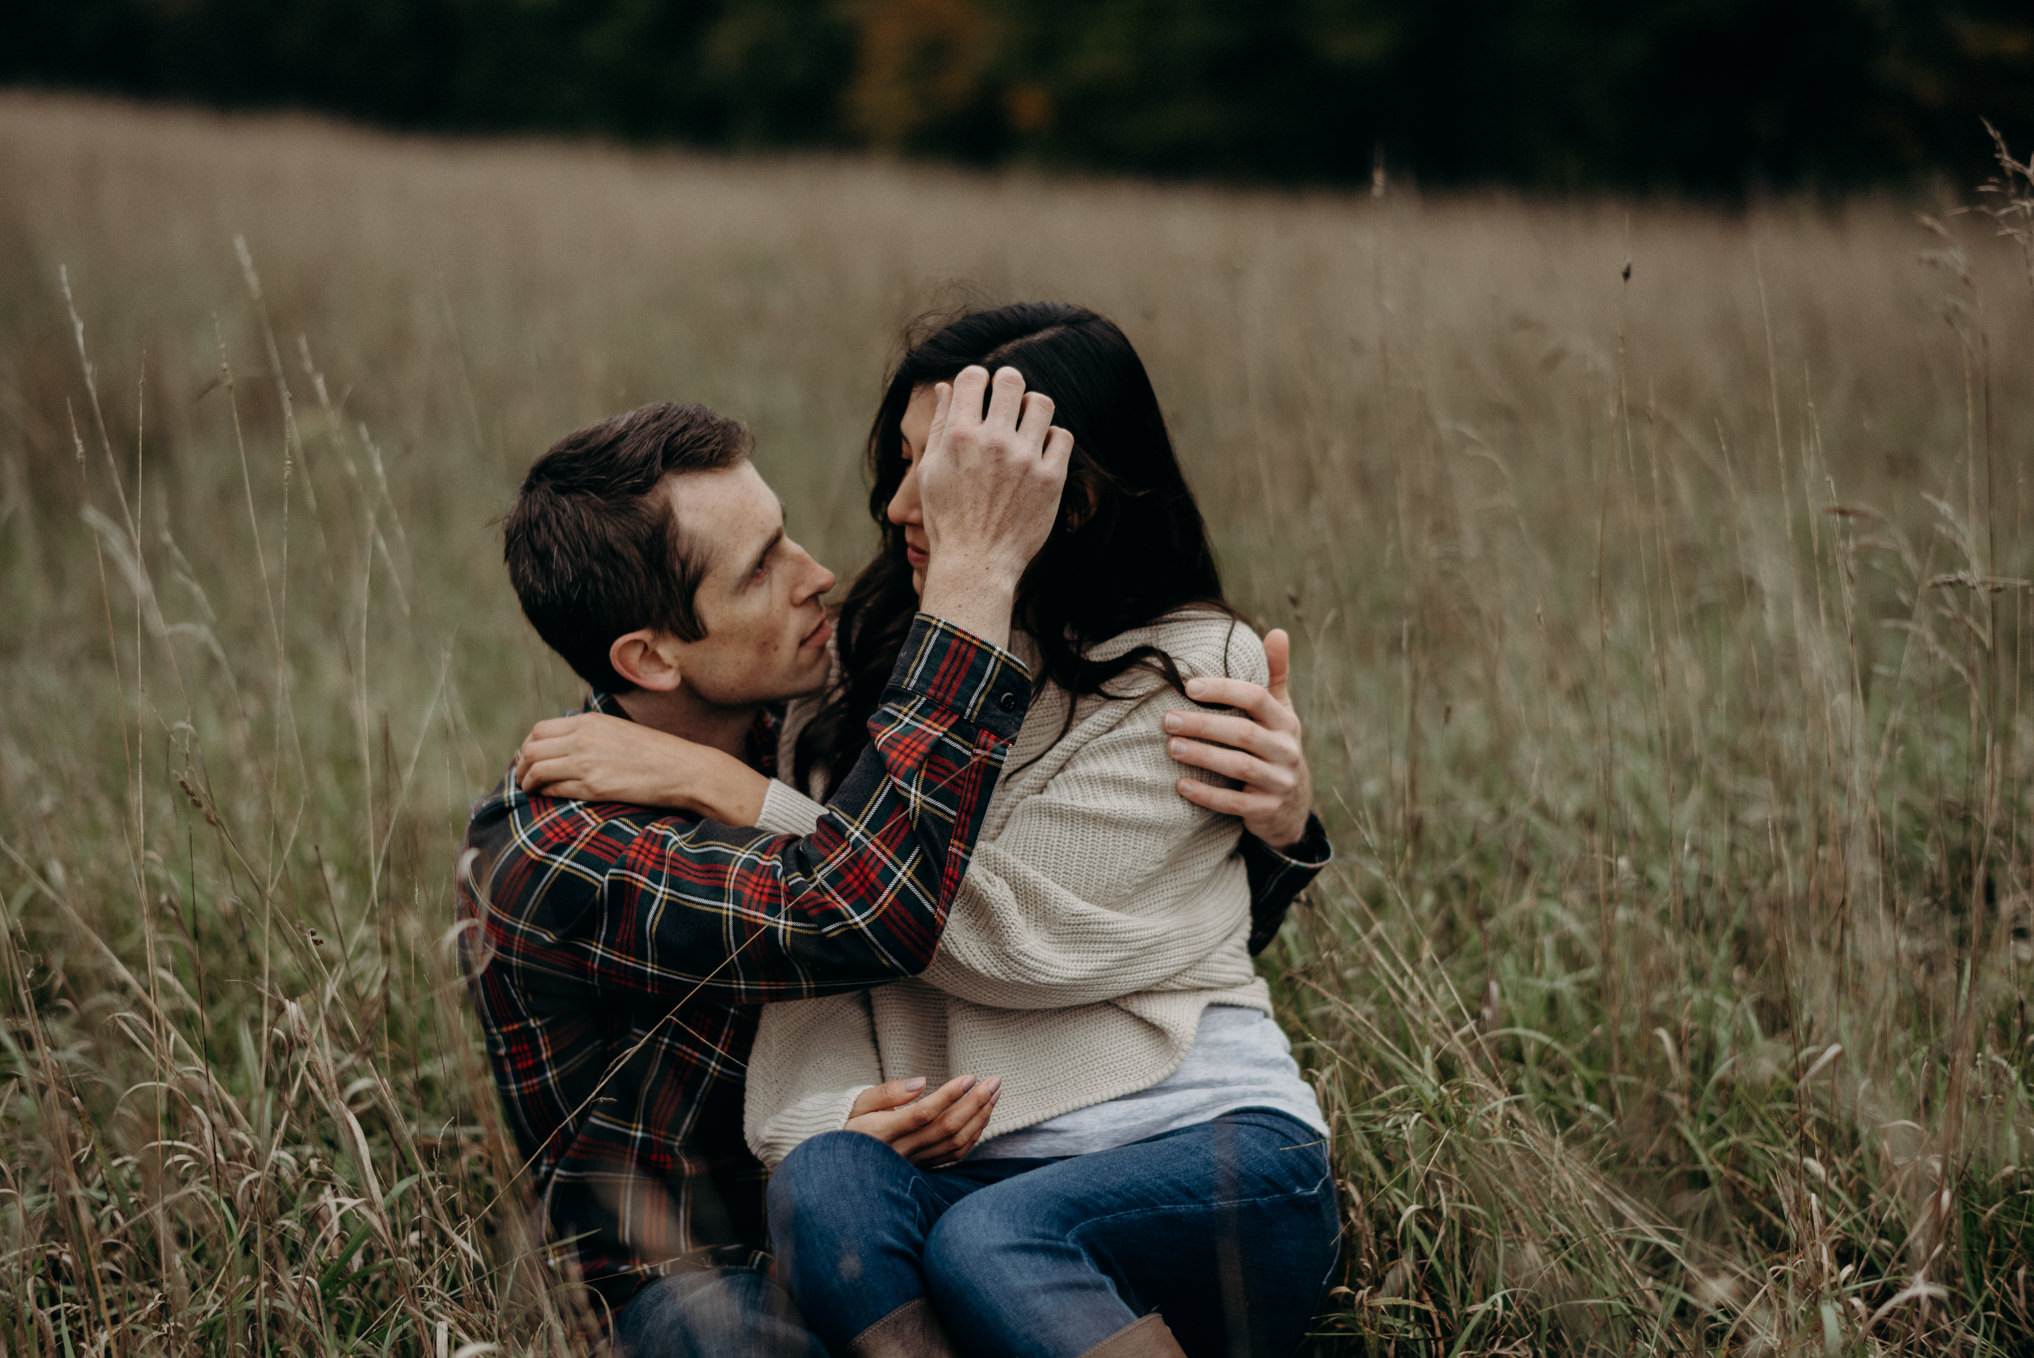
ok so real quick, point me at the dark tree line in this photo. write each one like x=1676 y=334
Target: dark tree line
x=1705 y=96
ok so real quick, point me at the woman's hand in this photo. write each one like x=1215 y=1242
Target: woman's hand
x=932 y=1131
x=1260 y=750
x=593 y=757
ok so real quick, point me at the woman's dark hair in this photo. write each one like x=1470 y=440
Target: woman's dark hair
x=1129 y=547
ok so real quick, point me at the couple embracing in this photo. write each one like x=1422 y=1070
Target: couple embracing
x=910 y=944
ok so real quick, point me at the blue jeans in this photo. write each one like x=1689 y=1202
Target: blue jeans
x=1227 y=1229
x=713 y=1313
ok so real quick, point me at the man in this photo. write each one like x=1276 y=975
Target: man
x=619 y=955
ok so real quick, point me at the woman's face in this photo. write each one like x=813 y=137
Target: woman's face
x=904 y=509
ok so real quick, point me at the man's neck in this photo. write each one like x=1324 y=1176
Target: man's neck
x=680 y=714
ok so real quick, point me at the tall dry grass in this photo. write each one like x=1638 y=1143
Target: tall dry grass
x=1661 y=580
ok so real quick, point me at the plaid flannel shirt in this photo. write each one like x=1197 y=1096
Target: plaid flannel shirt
x=1278 y=876
x=619 y=955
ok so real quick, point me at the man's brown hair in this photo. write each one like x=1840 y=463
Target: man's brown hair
x=594 y=551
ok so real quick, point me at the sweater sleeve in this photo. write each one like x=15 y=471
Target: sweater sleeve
x=1046 y=917
x=810 y=1061
x=787 y=811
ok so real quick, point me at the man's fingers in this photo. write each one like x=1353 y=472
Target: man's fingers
x=1278 y=655
x=1228 y=801
x=1059 y=446
x=1006 y=397
x=942 y=405
x=1034 y=422
x=1222 y=729
x=1247 y=769
x=1241 y=693
x=964 y=407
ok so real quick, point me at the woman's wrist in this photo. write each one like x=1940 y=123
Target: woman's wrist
x=731 y=792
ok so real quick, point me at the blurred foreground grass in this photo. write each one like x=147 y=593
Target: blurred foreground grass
x=1664 y=640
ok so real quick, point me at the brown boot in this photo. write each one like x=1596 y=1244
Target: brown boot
x=911 y=1331
x=1146 y=1338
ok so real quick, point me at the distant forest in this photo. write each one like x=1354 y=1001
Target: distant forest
x=1693 y=96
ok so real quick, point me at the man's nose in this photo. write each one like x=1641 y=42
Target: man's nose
x=818 y=579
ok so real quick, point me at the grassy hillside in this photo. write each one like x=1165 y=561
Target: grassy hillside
x=1665 y=642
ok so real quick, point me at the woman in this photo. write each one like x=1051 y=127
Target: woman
x=1155 y=1175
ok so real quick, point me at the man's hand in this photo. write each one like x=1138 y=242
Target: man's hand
x=990 y=486
x=592 y=757
x=931 y=1131
x=1260 y=750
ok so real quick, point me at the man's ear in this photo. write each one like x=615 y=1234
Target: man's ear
x=646 y=658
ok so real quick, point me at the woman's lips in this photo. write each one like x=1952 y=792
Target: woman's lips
x=818 y=635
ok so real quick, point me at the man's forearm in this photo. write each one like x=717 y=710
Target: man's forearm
x=974 y=595
x=859 y=900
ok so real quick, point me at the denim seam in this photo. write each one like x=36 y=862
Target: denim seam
x=1074 y=1235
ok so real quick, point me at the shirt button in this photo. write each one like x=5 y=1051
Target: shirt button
x=1008 y=702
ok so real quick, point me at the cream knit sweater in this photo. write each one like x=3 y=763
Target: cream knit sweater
x=1102 y=912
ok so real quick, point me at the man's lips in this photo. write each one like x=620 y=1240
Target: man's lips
x=819 y=633
x=915 y=555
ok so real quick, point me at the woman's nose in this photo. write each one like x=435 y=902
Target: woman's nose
x=903 y=506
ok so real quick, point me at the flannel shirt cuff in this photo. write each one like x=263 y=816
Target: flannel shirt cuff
x=984 y=683
x=1309 y=855
x=1279 y=875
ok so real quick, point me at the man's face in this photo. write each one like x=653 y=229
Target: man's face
x=766 y=629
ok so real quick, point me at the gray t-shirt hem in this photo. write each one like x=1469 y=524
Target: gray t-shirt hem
x=1240 y=1059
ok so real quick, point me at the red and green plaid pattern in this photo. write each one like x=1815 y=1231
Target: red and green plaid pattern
x=618 y=955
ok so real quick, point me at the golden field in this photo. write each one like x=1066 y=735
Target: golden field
x=1659 y=580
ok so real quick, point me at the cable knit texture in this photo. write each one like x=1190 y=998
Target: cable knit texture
x=1101 y=914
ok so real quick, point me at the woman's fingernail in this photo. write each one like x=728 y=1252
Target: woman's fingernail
x=969 y=1082
x=914 y=1084
x=1172 y=721
x=1196 y=687
x=1175 y=747
x=996 y=1084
